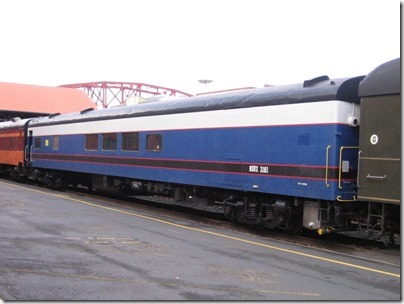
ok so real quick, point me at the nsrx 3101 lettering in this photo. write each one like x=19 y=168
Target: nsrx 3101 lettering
x=258 y=169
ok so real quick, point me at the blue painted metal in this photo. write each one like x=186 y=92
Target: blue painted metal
x=246 y=159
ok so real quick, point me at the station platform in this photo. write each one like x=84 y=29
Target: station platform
x=57 y=246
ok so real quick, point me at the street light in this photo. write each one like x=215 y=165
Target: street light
x=205 y=81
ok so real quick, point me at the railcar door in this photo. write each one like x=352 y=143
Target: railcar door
x=380 y=149
x=28 y=149
x=347 y=172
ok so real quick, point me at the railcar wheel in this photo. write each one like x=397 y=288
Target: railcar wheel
x=14 y=175
x=296 y=224
x=390 y=230
x=239 y=218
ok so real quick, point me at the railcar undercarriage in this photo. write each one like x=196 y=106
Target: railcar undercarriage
x=283 y=213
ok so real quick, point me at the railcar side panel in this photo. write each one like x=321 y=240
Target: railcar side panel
x=380 y=158
x=11 y=147
x=380 y=134
x=253 y=149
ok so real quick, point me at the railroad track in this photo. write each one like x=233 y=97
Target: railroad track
x=214 y=216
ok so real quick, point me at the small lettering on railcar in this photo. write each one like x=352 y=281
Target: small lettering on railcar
x=253 y=168
x=264 y=169
x=258 y=169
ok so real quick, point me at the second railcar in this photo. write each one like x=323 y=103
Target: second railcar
x=12 y=145
x=380 y=135
x=379 y=177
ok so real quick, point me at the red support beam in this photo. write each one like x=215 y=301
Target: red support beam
x=109 y=93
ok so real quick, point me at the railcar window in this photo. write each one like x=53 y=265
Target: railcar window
x=109 y=141
x=55 y=143
x=130 y=141
x=37 y=143
x=92 y=142
x=154 y=142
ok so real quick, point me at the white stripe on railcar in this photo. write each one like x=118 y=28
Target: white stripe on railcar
x=328 y=112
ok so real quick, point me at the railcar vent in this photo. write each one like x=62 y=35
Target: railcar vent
x=86 y=110
x=53 y=115
x=311 y=82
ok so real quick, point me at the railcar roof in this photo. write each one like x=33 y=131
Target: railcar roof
x=13 y=124
x=318 y=89
x=383 y=80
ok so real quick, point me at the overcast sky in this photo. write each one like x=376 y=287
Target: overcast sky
x=174 y=43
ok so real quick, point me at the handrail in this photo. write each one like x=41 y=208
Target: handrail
x=376 y=176
x=339 y=198
x=31 y=153
x=358 y=175
x=326 y=165
x=26 y=153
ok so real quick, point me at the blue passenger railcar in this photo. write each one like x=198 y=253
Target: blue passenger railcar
x=295 y=143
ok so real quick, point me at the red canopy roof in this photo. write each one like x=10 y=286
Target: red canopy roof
x=40 y=99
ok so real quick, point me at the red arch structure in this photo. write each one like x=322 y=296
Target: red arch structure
x=109 y=93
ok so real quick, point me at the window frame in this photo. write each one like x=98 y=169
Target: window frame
x=127 y=142
x=89 y=145
x=156 y=146
x=109 y=141
x=55 y=142
x=38 y=143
